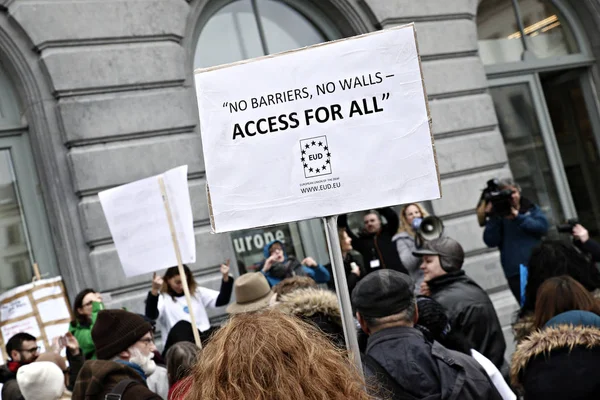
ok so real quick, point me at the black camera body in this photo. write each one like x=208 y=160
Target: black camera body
x=567 y=227
x=500 y=198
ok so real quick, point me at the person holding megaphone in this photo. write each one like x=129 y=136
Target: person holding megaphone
x=416 y=226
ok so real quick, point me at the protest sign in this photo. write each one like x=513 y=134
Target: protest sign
x=139 y=225
x=40 y=308
x=152 y=226
x=329 y=129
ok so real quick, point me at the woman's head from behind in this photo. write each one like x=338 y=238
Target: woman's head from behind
x=181 y=358
x=172 y=283
x=554 y=258
x=270 y=355
x=408 y=213
x=561 y=294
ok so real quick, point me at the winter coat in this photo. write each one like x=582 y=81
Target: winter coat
x=575 y=318
x=591 y=247
x=83 y=333
x=377 y=245
x=428 y=370
x=97 y=378
x=405 y=245
x=158 y=382
x=351 y=278
x=523 y=326
x=10 y=388
x=319 y=307
x=292 y=267
x=516 y=238
x=558 y=363
x=471 y=312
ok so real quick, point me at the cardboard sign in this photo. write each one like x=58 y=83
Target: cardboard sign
x=329 y=129
x=40 y=308
x=138 y=222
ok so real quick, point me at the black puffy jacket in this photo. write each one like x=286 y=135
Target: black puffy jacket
x=428 y=370
x=558 y=363
x=471 y=312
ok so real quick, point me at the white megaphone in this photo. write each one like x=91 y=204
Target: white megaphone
x=428 y=228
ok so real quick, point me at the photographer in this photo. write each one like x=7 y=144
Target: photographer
x=582 y=240
x=515 y=228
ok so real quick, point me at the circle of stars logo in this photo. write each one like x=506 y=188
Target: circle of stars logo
x=315 y=156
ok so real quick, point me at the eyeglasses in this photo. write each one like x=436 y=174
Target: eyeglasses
x=147 y=341
x=32 y=350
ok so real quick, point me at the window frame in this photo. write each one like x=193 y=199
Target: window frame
x=531 y=63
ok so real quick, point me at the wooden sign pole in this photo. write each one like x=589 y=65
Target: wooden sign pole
x=184 y=281
x=36 y=272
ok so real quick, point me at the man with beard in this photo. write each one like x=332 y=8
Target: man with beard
x=375 y=241
x=124 y=347
x=22 y=349
x=515 y=234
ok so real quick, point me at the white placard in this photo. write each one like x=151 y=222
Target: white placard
x=325 y=130
x=28 y=325
x=16 y=308
x=138 y=222
x=47 y=291
x=53 y=310
x=58 y=330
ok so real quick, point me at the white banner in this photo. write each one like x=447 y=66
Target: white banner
x=138 y=222
x=325 y=130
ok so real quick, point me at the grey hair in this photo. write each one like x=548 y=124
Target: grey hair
x=181 y=358
x=408 y=316
x=506 y=182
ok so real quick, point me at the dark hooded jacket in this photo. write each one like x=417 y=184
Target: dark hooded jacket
x=10 y=388
x=558 y=363
x=377 y=245
x=292 y=267
x=97 y=378
x=471 y=313
x=428 y=370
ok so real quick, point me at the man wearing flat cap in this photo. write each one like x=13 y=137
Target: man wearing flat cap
x=387 y=311
x=467 y=305
x=124 y=347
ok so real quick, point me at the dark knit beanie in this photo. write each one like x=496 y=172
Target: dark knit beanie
x=116 y=330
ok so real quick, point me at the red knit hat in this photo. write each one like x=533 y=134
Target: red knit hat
x=116 y=330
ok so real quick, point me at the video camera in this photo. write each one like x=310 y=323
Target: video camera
x=568 y=226
x=500 y=198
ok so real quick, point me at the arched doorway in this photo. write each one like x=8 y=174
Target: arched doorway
x=24 y=231
x=538 y=68
x=231 y=31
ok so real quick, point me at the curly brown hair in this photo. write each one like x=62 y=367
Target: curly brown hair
x=271 y=355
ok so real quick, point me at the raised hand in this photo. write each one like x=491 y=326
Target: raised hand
x=310 y=262
x=157 y=282
x=225 y=271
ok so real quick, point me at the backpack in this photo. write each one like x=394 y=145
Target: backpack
x=117 y=392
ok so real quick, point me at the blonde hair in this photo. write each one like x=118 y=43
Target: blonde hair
x=404 y=225
x=274 y=356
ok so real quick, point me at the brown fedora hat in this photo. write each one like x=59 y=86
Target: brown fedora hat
x=252 y=293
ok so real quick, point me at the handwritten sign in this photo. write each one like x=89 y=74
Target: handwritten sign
x=325 y=130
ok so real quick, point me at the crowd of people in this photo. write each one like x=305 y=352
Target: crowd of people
x=426 y=330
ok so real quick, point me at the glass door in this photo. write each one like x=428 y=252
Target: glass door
x=574 y=127
x=24 y=233
x=531 y=147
